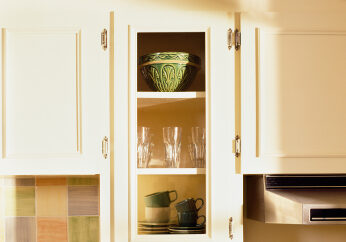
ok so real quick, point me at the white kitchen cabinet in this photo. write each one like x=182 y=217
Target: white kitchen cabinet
x=293 y=93
x=55 y=98
x=209 y=103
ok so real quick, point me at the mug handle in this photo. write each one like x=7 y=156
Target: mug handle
x=203 y=223
x=176 y=196
x=202 y=203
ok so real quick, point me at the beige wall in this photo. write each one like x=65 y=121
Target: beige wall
x=14 y=7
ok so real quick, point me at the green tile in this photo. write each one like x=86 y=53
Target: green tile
x=83 y=228
x=82 y=181
x=20 y=201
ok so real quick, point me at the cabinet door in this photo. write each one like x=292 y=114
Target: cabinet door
x=54 y=98
x=217 y=184
x=293 y=93
x=54 y=95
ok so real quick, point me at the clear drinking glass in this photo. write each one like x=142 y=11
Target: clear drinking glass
x=144 y=147
x=197 y=147
x=172 y=141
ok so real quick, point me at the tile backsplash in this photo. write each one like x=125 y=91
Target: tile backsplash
x=49 y=209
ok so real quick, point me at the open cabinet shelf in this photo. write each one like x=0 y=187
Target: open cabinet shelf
x=156 y=110
x=147 y=99
x=170 y=171
x=172 y=237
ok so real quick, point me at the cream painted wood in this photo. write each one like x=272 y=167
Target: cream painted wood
x=223 y=190
x=55 y=98
x=147 y=99
x=171 y=171
x=41 y=93
x=293 y=96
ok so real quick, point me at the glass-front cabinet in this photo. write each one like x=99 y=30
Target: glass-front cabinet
x=169 y=135
x=181 y=125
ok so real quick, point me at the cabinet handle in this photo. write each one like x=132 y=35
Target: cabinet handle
x=105 y=147
x=230 y=225
x=104 y=41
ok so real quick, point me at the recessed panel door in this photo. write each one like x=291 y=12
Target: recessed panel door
x=293 y=94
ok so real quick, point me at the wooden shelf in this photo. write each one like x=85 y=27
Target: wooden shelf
x=147 y=99
x=170 y=171
x=171 y=237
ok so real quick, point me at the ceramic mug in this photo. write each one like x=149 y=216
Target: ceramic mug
x=189 y=205
x=160 y=199
x=189 y=219
x=157 y=215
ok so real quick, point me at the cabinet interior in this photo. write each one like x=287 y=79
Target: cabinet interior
x=186 y=114
x=185 y=109
x=187 y=186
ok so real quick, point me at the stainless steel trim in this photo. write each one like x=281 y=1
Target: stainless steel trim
x=326 y=218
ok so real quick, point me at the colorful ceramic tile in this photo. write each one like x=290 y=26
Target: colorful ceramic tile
x=51 y=181
x=19 y=181
x=20 y=229
x=83 y=200
x=83 y=181
x=83 y=228
x=51 y=201
x=20 y=201
x=52 y=229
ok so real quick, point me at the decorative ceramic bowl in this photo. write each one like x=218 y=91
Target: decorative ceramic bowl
x=169 y=71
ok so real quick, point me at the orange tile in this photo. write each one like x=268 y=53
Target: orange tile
x=51 y=181
x=51 y=201
x=52 y=229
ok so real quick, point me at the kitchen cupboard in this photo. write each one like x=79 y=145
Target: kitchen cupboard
x=55 y=98
x=293 y=93
x=202 y=104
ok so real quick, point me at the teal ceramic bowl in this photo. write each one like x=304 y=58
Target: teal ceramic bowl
x=169 y=71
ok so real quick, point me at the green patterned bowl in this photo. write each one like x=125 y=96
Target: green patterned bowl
x=169 y=71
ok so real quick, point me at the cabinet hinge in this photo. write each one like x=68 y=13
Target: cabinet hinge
x=233 y=39
x=104 y=39
x=230 y=228
x=105 y=147
x=236 y=143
